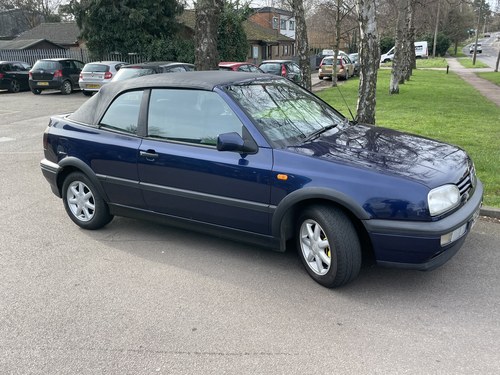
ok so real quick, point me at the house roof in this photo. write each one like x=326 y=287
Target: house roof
x=63 y=33
x=25 y=43
x=254 y=31
x=273 y=10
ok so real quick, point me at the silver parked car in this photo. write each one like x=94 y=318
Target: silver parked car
x=96 y=74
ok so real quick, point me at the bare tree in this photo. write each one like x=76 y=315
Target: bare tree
x=302 y=42
x=399 y=50
x=34 y=11
x=410 y=59
x=207 y=22
x=369 y=58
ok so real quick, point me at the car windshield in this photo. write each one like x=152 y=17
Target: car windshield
x=286 y=114
x=126 y=73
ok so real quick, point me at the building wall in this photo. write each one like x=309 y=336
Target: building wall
x=273 y=21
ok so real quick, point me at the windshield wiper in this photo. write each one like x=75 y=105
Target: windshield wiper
x=318 y=132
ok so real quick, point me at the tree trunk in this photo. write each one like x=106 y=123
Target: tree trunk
x=369 y=54
x=207 y=14
x=336 y=47
x=302 y=43
x=399 y=50
x=410 y=61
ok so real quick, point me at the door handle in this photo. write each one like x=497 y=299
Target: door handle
x=149 y=154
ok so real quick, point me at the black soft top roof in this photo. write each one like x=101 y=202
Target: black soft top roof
x=92 y=110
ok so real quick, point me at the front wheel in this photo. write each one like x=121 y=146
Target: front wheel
x=83 y=203
x=328 y=245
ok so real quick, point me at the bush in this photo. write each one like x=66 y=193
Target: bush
x=386 y=43
x=442 y=45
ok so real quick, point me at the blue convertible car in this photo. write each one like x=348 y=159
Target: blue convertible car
x=256 y=157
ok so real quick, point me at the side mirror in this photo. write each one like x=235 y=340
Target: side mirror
x=234 y=142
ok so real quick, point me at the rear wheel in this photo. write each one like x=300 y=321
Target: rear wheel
x=87 y=93
x=36 y=91
x=83 y=203
x=14 y=86
x=328 y=245
x=66 y=88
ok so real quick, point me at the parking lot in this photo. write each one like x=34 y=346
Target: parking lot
x=141 y=298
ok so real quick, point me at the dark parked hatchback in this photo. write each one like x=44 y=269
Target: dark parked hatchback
x=256 y=157
x=55 y=74
x=285 y=68
x=14 y=76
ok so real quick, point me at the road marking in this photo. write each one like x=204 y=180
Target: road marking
x=6 y=139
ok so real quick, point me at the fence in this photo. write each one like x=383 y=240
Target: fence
x=31 y=56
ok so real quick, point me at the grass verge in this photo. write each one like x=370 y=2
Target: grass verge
x=493 y=77
x=441 y=106
x=467 y=63
x=437 y=62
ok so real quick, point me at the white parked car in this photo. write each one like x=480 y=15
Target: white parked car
x=96 y=74
x=479 y=48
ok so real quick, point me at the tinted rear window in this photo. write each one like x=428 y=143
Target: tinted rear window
x=46 y=65
x=270 y=67
x=95 y=68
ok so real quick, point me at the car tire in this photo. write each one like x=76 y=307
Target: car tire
x=87 y=93
x=14 y=86
x=36 y=91
x=328 y=245
x=66 y=87
x=83 y=202
x=320 y=77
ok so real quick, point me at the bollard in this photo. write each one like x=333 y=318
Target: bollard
x=447 y=69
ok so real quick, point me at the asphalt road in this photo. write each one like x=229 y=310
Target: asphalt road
x=490 y=47
x=140 y=298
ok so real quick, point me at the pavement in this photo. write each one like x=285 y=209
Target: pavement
x=485 y=87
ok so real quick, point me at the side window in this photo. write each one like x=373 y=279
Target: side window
x=123 y=113
x=66 y=64
x=244 y=68
x=192 y=116
x=174 y=69
x=79 y=65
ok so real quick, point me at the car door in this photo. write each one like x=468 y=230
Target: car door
x=115 y=160
x=76 y=69
x=21 y=73
x=184 y=175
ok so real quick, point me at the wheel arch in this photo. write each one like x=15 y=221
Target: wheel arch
x=286 y=214
x=71 y=164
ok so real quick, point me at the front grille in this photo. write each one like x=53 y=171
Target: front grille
x=467 y=184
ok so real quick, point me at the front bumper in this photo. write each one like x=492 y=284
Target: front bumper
x=417 y=245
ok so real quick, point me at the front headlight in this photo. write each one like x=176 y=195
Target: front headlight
x=442 y=199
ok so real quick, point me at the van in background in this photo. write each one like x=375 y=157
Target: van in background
x=421 y=52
